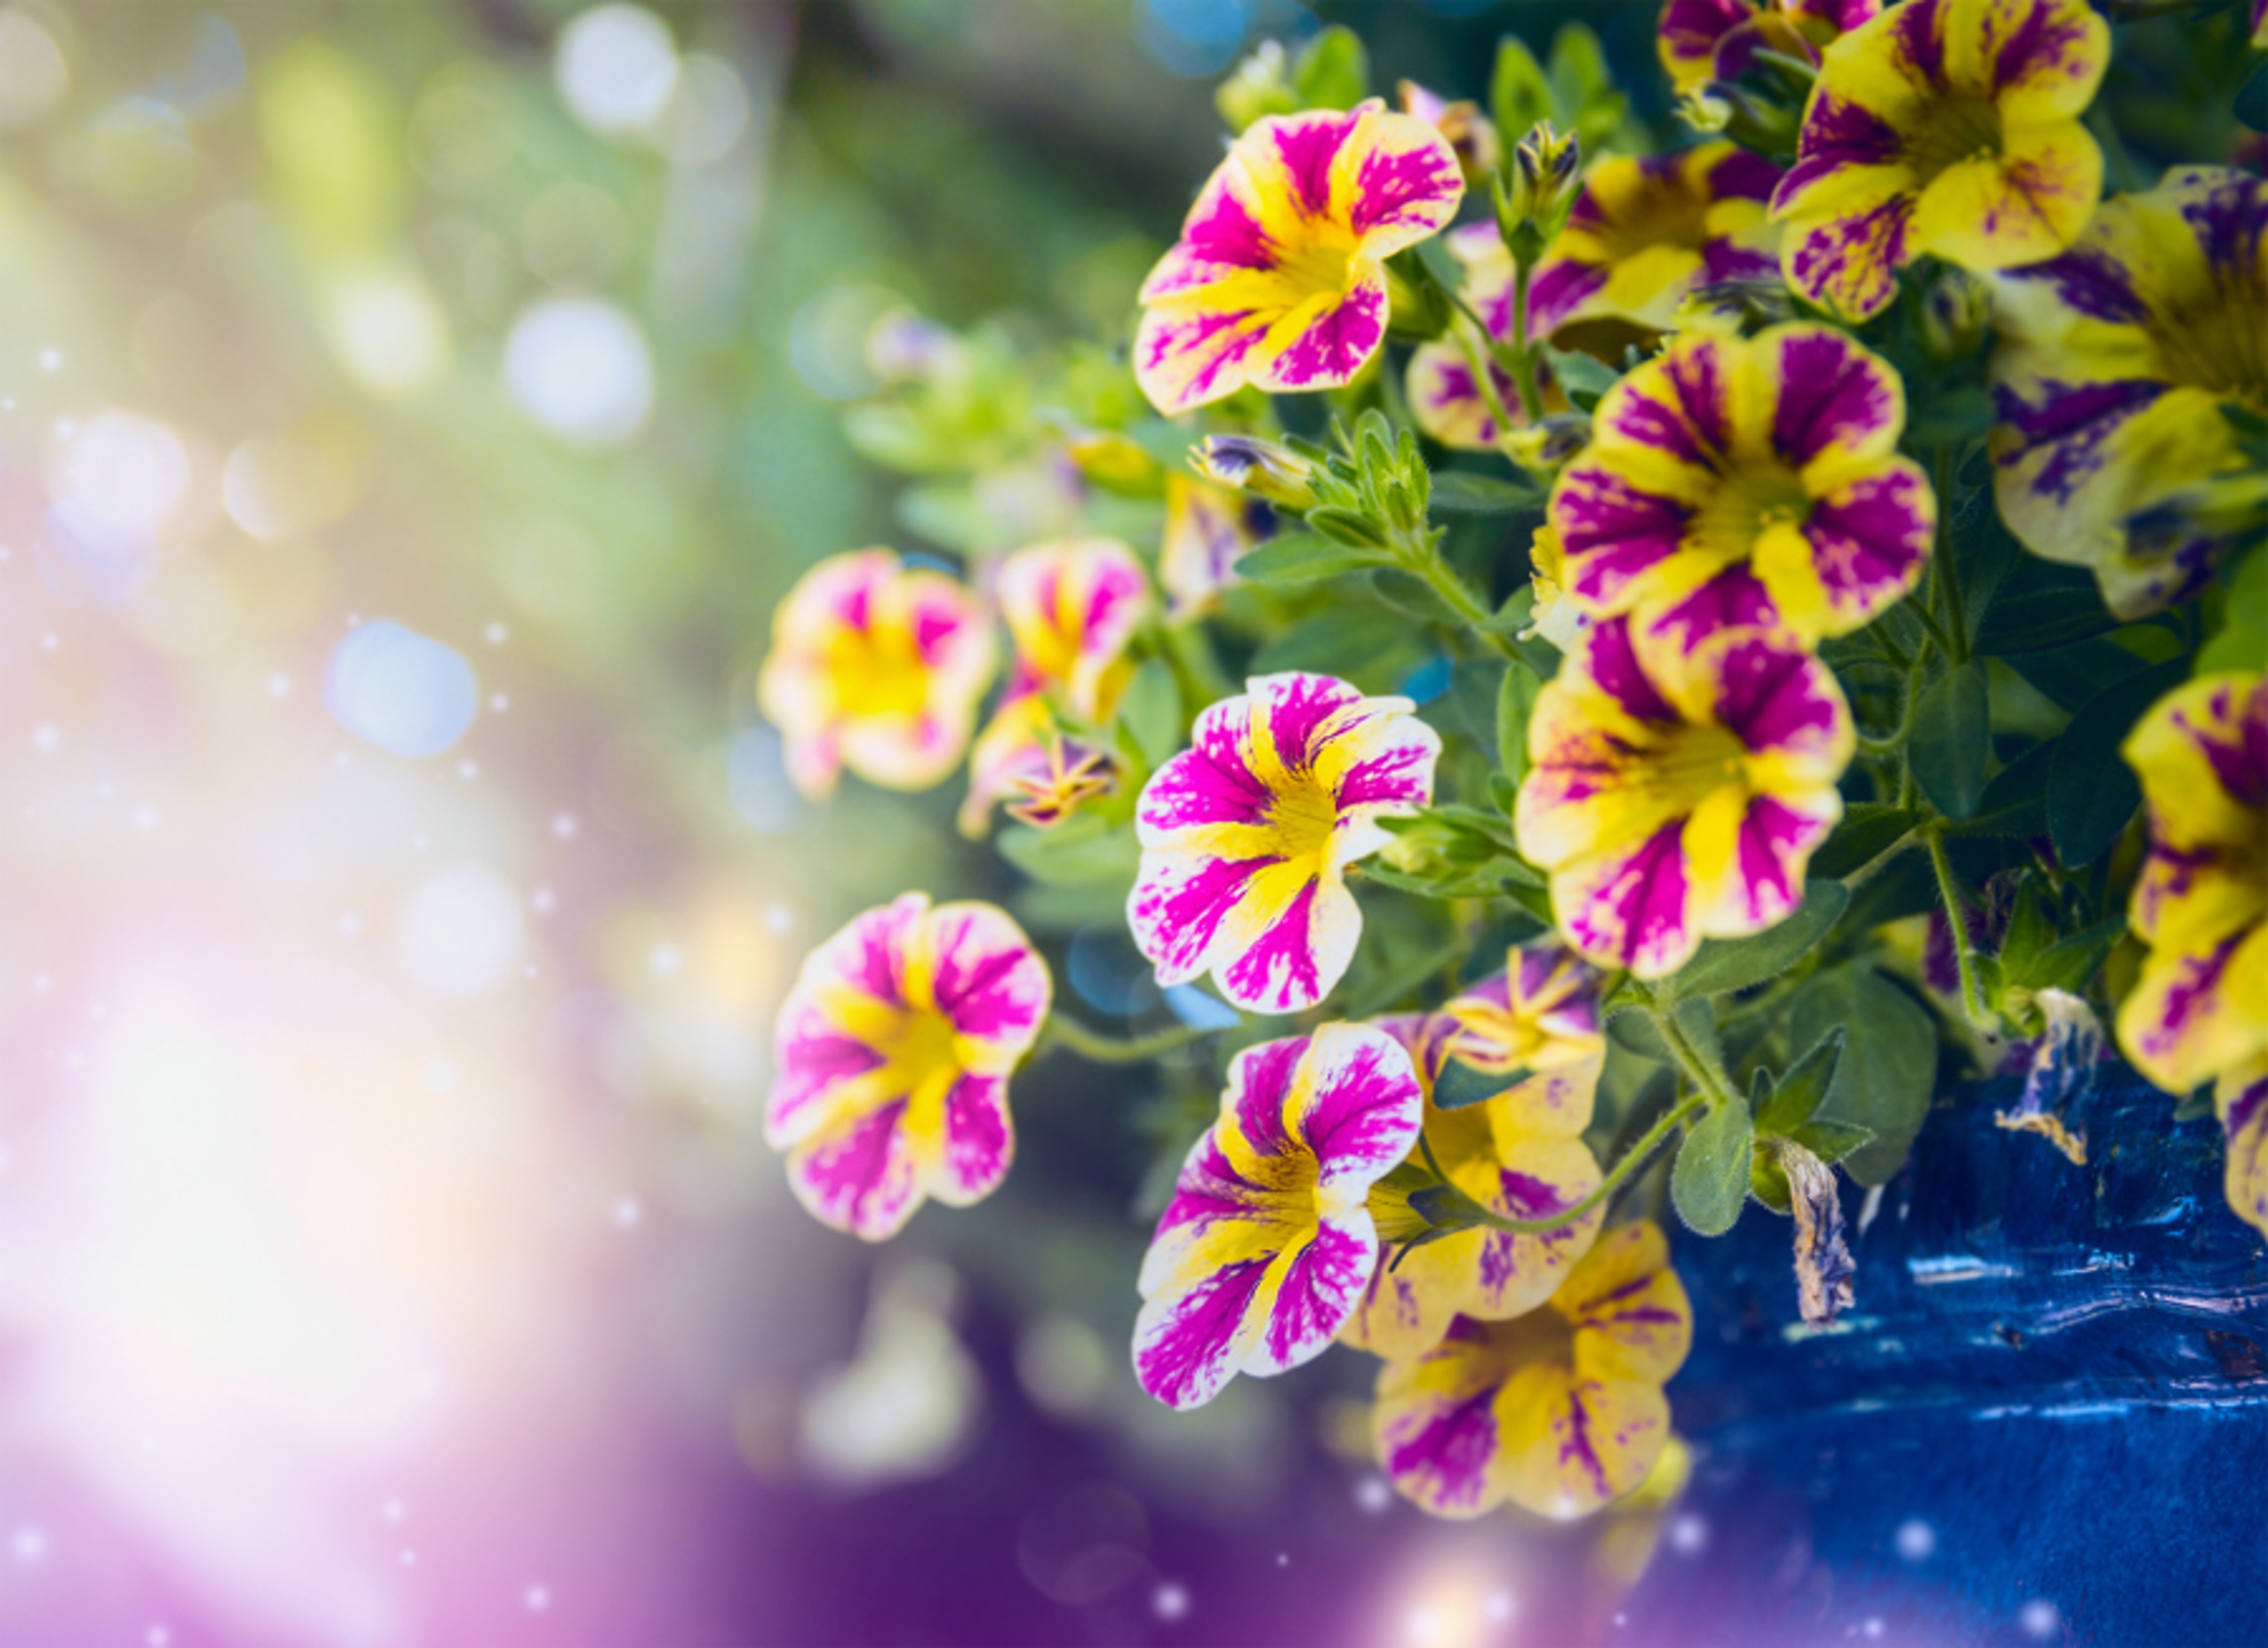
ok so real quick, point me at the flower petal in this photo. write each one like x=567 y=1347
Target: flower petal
x=2242 y=1103
x=1571 y=1444
x=1355 y=1105
x=1633 y=1318
x=2024 y=204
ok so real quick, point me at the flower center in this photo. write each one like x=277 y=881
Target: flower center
x=877 y=673
x=2220 y=344
x=1321 y=266
x=1692 y=763
x=1305 y=816
x=1951 y=130
x=1753 y=499
x=920 y=1044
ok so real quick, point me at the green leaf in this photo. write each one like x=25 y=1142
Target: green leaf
x=1731 y=964
x=1584 y=376
x=1832 y=1141
x=1633 y=1029
x=1082 y=851
x=1150 y=712
x=2043 y=605
x=2015 y=803
x=1799 y=1091
x=1519 y=95
x=1333 y=71
x=1299 y=557
x=1350 y=528
x=2029 y=932
x=1475 y=686
x=1888 y=1072
x=2069 y=963
x=2068 y=676
x=1347 y=642
x=1582 y=87
x=2091 y=793
x=1952 y=739
x=1470 y=492
x=1515 y=702
x=1984 y=550
x=1958 y=415
x=1867 y=831
x=2252 y=100
x=1517 y=613
x=1460 y=1086
x=1414 y=596
x=1709 y=1184
x=2242 y=641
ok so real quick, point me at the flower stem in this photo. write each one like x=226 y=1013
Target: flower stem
x=1957 y=615
x=1096 y=1047
x=1523 y=362
x=1949 y=890
x=1418 y=553
x=1631 y=1161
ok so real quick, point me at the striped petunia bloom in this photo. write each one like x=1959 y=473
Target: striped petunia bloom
x=1677 y=796
x=877 y=668
x=1267 y=1244
x=1246 y=836
x=1071 y=606
x=1745 y=482
x=1209 y=529
x=1558 y=1412
x=1644 y=234
x=2199 y=1010
x=1944 y=127
x=1280 y=278
x=1717 y=40
x=1521 y=1153
x=1446 y=396
x=2113 y=364
x=892 y=1054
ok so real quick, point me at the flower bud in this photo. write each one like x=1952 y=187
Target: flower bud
x=1418 y=309
x=1544 y=446
x=1076 y=773
x=1542 y=178
x=1468 y=132
x=1955 y=312
x=1264 y=469
x=1755 y=120
x=1115 y=462
x=1260 y=86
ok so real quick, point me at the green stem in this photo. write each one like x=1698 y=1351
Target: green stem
x=1621 y=1170
x=1949 y=890
x=1956 y=614
x=1523 y=367
x=1481 y=364
x=1420 y=555
x=1701 y=1072
x=1096 y=1047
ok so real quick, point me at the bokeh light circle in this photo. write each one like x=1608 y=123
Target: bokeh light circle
x=461 y=932
x=616 y=68
x=579 y=367
x=400 y=690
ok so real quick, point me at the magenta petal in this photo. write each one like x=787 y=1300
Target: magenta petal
x=1178 y=904
x=1776 y=697
x=1186 y=1348
x=1320 y=1287
x=1831 y=392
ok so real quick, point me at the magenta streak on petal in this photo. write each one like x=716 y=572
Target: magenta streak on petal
x=1729 y=260
x=1288 y=947
x=1208 y=784
x=1181 y=1360
x=1452 y=1448
x=1773 y=696
x=2092 y=282
x=1410 y=184
x=1630 y=1289
x=1308 y=145
x=1735 y=598
x=1876 y=239
x=1829 y=391
x=1364 y=1118
x=976 y=1142
x=811 y=1066
x=1645 y=414
x=873 y=964
x=2242 y=767
x=1838 y=135
x=1173 y=923
x=1576 y=1447
x=935 y=627
x=1612 y=532
x=2076 y=419
x=2229 y=222
x=1561 y=286
x=2193 y=991
x=1744 y=174
x=1220 y=229
x=1921 y=36
x=2040 y=45
x=981 y=998
x=1262 y=1079
x=1211 y=1188
x=1870 y=541
x=2246 y=1105
x=1772 y=834
x=1641 y=905
x=1205 y=332
x=1321 y=1287
x=1612 y=664
x=1335 y=344
x=1527 y=1196
x=858 y=608
x=844 y=1174
x=1401 y=774
x=1697 y=372
x=1296 y=709
x=1693 y=23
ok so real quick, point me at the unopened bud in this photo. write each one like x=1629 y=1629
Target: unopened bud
x=1545 y=445
x=1543 y=167
x=1260 y=86
x=1418 y=309
x=1755 y=120
x=1468 y=132
x=1264 y=469
x=1955 y=312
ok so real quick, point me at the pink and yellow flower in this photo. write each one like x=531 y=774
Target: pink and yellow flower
x=1746 y=483
x=1071 y=607
x=891 y=1056
x=1558 y=1412
x=1675 y=796
x=2113 y=364
x=2200 y=1011
x=1247 y=836
x=1949 y=127
x=1717 y=40
x=1267 y=1242
x=1209 y=529
x=1520 y=1153
x=1644 y=234
x=1280 y=278
x=875 y=667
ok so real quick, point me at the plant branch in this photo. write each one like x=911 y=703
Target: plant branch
x=1964 y=957
x=1098 y=1049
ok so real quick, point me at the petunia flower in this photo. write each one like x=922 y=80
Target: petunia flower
x=1446 y=394
x=875 y=667
x=1736 y=482
x=1267 y=1242
x=2199 y=1010
x=1677 y=796
x=1554 y=616
x=1208 y=530
x=1706 y=40
x=1246 y=836
x=1520 y=1153
x=2113 y=364
x=1071 y=606
x=1280 y=278
x=1646 y=234
x=891 y=1056
x=1946 y=128
x=2241 y=1100
x=1558 y=1412
x=1479 y=150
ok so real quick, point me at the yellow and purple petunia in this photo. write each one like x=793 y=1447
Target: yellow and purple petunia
x=875 y=667
x=1445 y=392
x=1946 y=128
x=1644 y=234
x=1247 y=836
x=1675 y=796
x=1717 y=40
x=1278 y=280
x=2241 y=1100
x=1739 y=483
x=1268 y=1241
x=1071 y=606
x=2199 y=1010
x=2114 y=363
x=893 y=1052
x=1208 y=530
x=1558 y=1412
x=1519 y=1152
